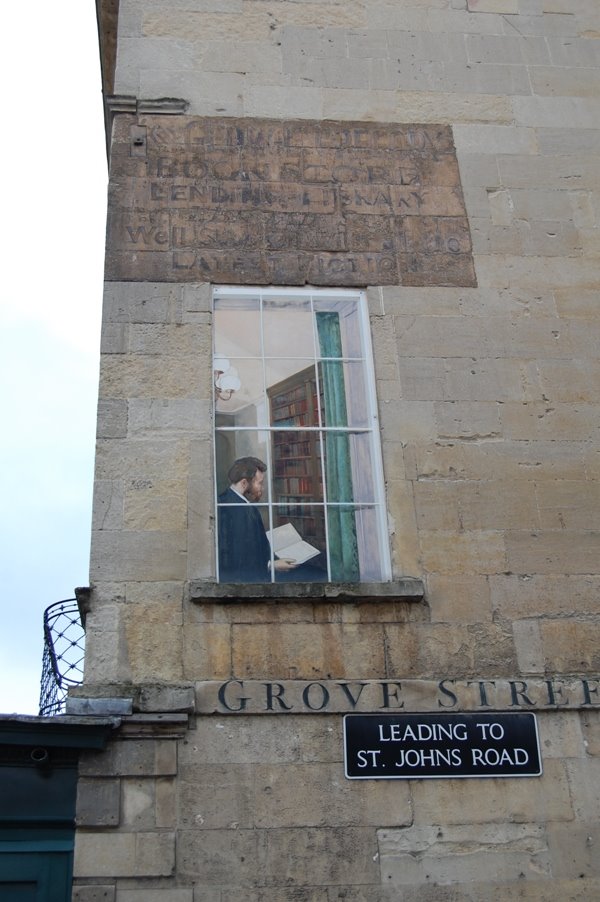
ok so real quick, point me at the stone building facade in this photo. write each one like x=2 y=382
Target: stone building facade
x=437 y=161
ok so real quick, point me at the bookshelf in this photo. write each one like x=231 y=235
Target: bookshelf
x=297 y=465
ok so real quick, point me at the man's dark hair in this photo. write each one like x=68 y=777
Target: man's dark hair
x=245 y=468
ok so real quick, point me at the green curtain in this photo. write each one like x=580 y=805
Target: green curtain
x=343 y=546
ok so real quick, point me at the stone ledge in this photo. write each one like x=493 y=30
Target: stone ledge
x=408 y=588
x=155 y=726
x=127 y=103
x=99 y=707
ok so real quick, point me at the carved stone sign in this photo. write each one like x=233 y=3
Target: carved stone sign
x=250 y=201
x=272 y=696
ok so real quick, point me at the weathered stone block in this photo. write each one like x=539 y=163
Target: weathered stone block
x=95 y=893
x=478 y=551
x=216 y=797
x=148 y=804
x=206 y=650
x=98 y=803
x=497 y=504
x=388 y=16
x=272 y=894
x=437 y=505
x=148 y=376
x=571 y=646
x=141 y=302
x=536 y=595
x=306 y=650
x=561 y=736
x=112 y=418
x=108 y=504
x=529 y=646
x=221 y=857
x=333 y=801
x=569 y=504
x=147 y=631
x=590 y=725
x=544 y=420
x=342 y=854
x=459 y=598
x=407 y=421
x=546 y=551
x=143 y=457
x=574 y=850
x=473 y=420
x=419 y=650
x=527 y=801
x=484 y=379
x=139 y=555
x=493 y=6
x=104 y=655
x=420 y=856
x=166 y=339
x=555 y=82
x=161 y=698
x=240 y=741
x=144 y=757
x=155 y=504
x=124 y=854
x=160 y=895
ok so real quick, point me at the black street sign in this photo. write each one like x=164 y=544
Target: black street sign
x=417 y=746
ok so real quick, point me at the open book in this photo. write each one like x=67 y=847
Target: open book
x=287 y=543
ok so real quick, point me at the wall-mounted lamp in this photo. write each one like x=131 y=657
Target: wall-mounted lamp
x=226 y=378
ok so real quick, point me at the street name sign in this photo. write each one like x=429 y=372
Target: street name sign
x=417 y=746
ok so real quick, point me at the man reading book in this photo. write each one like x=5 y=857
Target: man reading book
x=244 y=549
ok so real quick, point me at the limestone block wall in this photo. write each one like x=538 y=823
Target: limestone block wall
x=487 y=394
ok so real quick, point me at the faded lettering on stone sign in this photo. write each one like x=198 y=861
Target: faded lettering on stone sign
x=242 y=201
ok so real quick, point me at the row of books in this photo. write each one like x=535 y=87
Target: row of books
x=293 y=485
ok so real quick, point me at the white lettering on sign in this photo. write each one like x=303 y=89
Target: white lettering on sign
x=492 y=757
x=429 y=758
x=410 y=746
x=435 y=732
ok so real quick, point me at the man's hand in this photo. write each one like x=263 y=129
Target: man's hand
x=285 y=564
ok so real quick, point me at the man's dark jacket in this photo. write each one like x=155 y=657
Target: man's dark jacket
x=244 y=550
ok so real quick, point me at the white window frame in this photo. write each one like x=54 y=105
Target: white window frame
x=372 y=429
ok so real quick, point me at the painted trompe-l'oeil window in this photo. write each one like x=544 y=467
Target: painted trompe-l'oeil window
x=299 y=487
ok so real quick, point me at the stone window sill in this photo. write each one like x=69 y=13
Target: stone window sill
x=406 y=589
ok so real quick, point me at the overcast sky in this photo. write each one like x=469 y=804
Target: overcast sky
x=54 y=199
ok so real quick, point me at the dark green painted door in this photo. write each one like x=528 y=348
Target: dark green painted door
x=35 y=876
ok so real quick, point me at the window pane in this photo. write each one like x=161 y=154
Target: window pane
x=338 y=467
x=245 y=404
x=369 y=546
x=347 y=314
x=300 y=536
x=297 y=471
x=364 y=488
x=291 y=387
x=343 y=394
x=236 y=324
x=288 y=327
x=234 y=445
x=342 y=540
